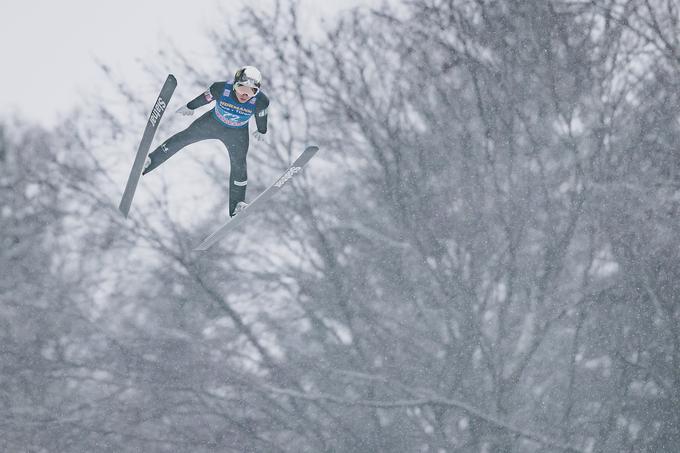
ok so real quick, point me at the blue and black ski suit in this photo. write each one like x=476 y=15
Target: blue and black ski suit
x=227 y=122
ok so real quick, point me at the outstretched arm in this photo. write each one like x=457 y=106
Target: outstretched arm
x=207 y=97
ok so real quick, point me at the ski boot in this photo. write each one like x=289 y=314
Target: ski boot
x=240 y=207
x=147 y=162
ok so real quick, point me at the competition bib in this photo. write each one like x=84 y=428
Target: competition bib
x=232 y=113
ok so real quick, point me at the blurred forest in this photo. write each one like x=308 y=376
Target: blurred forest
x=482 y=258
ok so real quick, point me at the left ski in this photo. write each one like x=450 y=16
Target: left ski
x=258 y=202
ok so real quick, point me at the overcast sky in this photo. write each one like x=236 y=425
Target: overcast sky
x=48 y=48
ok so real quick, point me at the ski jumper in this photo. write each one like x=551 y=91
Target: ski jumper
x=228 y=123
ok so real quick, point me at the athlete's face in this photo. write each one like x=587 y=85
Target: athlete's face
x=244 y=93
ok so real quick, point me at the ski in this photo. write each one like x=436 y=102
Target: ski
x=260 y=200
x=143 y=150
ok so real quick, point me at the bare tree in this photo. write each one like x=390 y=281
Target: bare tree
x=480 y=259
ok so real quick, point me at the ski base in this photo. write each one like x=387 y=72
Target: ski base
x=143 y=150
x=261 y=199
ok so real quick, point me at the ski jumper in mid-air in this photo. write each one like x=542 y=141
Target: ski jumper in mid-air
x=236 y=102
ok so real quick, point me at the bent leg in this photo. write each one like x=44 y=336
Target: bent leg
x=198 y=130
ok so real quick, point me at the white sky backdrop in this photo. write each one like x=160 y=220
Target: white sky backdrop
x=48 y=48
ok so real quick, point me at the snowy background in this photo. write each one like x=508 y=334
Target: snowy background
x=483 y=257
x=52 y=51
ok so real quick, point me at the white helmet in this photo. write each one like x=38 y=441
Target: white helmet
x=248 y=76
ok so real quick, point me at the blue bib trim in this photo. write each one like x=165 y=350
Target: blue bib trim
x=231 y=112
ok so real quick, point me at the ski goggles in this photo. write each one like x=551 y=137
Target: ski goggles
x=244 y=88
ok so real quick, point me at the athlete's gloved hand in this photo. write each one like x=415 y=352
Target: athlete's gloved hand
x=184 y=110
x=259 y=136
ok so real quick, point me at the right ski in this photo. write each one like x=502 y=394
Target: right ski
x=143 y=150
x=260 y=200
